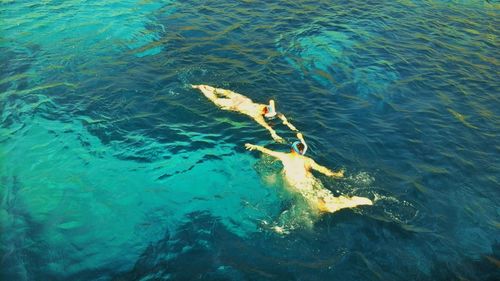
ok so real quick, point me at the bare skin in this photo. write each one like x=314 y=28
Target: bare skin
x=229 y=100
x=297 y=171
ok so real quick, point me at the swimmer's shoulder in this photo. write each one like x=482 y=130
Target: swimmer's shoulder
x=308 y=162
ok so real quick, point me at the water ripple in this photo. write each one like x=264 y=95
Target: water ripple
x=104 y=144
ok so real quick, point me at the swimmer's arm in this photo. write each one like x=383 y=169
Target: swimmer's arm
x=325 y=170
x=301 y=138
x=286 y=123
x=263 y=123
x=264 y=150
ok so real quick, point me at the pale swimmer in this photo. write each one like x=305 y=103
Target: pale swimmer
x=229 y=100
x=297 y=172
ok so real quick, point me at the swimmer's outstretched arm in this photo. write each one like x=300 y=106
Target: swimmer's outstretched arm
x=262 y=122
x=286 y=123
x=325 y=170
x=262 y=149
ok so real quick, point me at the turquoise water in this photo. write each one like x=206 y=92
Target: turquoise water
x=113 y=168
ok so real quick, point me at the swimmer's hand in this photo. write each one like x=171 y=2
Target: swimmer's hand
x=278 y=138
x=301 y=137
x=286 y=123
x=262 y=149
x=339 y=174
x=251 y=147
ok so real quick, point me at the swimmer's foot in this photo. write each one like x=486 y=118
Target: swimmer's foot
x=338 y=174
x=207 y=91
x=361 y=201
x=203 y=88
x=343 y=202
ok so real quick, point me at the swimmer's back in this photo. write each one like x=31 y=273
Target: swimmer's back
x=297 y=171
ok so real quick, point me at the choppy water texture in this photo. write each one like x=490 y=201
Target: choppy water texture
x=112 y=168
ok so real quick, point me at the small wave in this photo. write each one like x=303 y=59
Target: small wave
x=386 y=206
x=362 y=178
x=400 y=211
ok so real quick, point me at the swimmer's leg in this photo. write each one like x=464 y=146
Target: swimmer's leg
x=211 y=94
x=229 y=94
x=332 y=204
x=214 y=93
x=217 y=92
x=207 y=91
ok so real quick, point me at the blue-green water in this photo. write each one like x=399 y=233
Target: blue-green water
x=113 y=168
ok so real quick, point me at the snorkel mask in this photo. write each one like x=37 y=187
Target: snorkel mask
x=295 y=147
x=270 y=110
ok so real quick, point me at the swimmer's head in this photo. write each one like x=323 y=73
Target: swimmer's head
x=299 y=148
x=269 y=111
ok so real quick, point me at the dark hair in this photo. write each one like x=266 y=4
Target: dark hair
x=301 y=147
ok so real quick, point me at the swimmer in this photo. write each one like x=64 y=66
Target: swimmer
x=297 y=171
x=229 y=100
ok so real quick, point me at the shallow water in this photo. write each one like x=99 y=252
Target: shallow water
x=113 y=168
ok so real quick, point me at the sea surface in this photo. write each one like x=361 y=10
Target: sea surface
x=113 y=168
